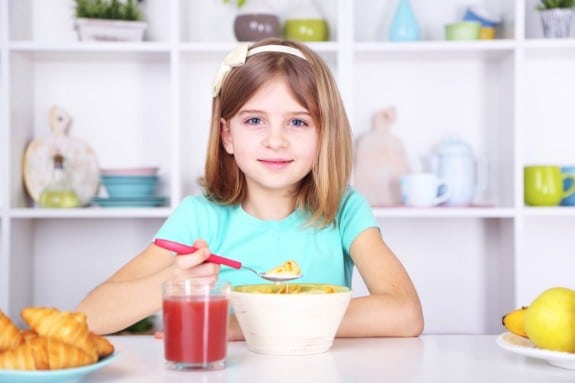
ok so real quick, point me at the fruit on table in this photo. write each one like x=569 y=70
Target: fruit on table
x=550 y=320
x=514 y=321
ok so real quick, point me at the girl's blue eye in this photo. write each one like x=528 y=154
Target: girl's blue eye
x=254 y=121
x=298 y=122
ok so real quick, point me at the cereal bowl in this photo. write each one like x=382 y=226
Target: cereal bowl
x=290 y=319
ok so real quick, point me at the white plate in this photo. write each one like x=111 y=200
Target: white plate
x=524 y=346
x=66 y=375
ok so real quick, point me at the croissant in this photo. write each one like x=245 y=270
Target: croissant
x=41 y=353
x=10 y=335
x=103 y=346
x=19 y=358
x=68 y=327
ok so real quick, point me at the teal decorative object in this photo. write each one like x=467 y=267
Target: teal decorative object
x=404 y=26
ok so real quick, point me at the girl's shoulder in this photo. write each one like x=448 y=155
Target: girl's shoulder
x=203 y=202
x=201 y=206
x=353 y=199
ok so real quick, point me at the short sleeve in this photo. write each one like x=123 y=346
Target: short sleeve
x=355 y=216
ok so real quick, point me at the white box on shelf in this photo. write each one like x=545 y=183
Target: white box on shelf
x=110 y=30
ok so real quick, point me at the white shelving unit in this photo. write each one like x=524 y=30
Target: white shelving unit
x=149 y=104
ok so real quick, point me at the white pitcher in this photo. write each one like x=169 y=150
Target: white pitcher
x=454 y=162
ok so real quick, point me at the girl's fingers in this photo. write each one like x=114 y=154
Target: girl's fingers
x=190 y=260
x=203 y=270
x=200 y=244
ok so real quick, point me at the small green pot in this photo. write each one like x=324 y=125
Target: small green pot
x=306 y=29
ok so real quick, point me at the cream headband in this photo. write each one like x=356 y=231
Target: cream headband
x=237 y=57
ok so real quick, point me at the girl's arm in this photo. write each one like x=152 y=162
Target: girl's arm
x=134 y=291
x=392 y=307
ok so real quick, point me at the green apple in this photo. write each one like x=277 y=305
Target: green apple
x=550 y=320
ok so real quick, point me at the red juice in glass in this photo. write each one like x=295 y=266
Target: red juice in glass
x=195 y=327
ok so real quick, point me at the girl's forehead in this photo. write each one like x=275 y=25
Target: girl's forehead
x=276 y=93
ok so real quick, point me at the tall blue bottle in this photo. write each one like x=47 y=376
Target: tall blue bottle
x=404 y=26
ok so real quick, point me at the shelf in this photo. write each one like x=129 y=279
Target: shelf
x=443 y=49
x=89 y=213
x=76 y=51
x=444 y=212
x=548 y=211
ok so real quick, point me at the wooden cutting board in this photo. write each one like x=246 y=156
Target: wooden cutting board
x=380 y=161
x=79 y=159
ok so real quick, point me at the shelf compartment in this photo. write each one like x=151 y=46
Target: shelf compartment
x=548 y=111
x=546 y=255
x=465 y=260
x=214 y=21
x=123 y=103
x=49 y=21
x=472 y=100
x=372 y=19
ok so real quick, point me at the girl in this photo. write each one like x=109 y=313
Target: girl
x=276 y=187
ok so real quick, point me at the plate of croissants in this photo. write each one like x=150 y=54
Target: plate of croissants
x=57 y=346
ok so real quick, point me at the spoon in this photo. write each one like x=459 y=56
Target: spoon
x=181 y=249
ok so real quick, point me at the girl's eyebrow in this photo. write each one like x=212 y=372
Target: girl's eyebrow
x=290 y=113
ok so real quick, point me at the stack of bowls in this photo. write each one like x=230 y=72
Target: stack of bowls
x=486 y=18
x=130 y=187
x=478 y=23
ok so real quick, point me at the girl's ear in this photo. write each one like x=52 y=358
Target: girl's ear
x=226 y=136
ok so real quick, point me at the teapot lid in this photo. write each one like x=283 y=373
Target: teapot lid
x=454 y=146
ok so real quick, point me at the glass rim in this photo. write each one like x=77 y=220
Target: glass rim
x=195 y=286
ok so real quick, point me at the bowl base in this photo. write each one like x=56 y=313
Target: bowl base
x=291 y=350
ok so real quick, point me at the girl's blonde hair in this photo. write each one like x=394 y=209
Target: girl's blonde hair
x=314 y=87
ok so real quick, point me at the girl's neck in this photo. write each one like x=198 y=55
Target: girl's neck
x=266 y=206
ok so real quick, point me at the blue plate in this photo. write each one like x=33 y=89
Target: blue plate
x=67 y=375
x=151 y=201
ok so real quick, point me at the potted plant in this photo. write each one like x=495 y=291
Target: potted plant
x=109 y=20
x=556 y=17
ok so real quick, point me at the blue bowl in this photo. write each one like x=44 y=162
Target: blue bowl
x=567 y=183
x=128 y=179
x=130 y=186
x=482 y=15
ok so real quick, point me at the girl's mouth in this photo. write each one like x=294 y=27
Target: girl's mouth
x=276 y=164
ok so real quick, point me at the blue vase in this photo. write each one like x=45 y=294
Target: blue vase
x=404 y=26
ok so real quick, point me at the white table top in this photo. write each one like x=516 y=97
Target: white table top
x=429 y=358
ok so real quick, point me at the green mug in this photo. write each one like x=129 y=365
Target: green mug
x=543 y=185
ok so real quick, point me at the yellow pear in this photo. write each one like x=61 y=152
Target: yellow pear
x=550 y=320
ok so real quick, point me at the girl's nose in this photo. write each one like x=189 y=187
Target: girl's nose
x=275 y=138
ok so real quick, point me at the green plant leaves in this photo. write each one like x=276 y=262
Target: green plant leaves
x=108 y=9
x=551 y=4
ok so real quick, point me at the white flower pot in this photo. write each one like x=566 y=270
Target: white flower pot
x=557 y=22
x=110 y=30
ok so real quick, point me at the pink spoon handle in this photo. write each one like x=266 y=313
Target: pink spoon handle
x=181 y=249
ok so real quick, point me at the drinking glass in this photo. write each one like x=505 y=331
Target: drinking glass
x=195 y=315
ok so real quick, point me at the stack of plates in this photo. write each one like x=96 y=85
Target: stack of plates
x=130 y=187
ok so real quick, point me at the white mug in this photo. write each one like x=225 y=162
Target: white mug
x=423 y=190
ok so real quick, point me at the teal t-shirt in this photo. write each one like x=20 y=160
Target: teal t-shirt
x=322 y=254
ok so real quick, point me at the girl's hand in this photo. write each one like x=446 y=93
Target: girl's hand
x=194 y=265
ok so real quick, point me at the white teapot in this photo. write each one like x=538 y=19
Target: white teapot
x=454 y=162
